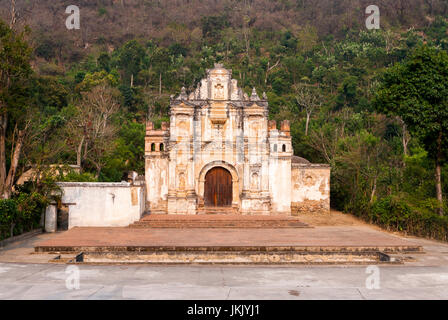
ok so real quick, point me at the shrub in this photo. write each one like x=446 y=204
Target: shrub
x=8 y=215
x=397 y=213
x=22 y=213
x=30 y=208
x=391 y=212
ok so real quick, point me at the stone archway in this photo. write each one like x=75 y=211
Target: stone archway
x=233 y=173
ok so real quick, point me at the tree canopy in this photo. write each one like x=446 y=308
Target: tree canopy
x=417 y=91
x=377 y=117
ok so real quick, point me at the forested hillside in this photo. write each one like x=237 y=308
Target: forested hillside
x=107 y=24
x=89 y=91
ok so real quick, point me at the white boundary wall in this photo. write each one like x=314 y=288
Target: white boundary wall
x=103 y=204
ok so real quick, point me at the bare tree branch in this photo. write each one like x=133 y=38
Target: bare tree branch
x=309 y=99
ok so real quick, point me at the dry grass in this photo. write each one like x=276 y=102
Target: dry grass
x=335 y=218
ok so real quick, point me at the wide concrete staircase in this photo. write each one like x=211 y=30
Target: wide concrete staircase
x=215 y=221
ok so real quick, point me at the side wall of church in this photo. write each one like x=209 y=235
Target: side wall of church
x=310 y=188
x=279 y=174
x=280 y=167
x=156 y=168
x=157 y=185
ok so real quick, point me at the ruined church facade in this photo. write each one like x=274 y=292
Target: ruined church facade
x=219 y=153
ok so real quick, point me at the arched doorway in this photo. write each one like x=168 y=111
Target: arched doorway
x=218 y=188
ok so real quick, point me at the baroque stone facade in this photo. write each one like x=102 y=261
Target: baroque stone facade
x=219 y=151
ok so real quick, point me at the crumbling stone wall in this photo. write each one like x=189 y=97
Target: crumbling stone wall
x=310 y=188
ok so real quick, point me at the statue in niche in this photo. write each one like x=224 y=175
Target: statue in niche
x=255 y=185
x=182 y=181
x=219 y=92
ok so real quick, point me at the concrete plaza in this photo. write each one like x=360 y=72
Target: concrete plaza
x=43 y=281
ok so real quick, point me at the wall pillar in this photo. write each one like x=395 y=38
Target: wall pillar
x=51 y=218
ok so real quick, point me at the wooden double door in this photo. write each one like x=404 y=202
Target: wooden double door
x=218 y=188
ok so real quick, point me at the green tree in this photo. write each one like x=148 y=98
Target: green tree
x=417 y=91
x=131 y=59
x=212 y=27
x=104 y=61
x=15 y=71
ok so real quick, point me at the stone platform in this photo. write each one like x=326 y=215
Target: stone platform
x=338 y=239
x=226 y=239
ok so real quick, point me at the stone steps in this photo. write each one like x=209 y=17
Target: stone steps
x=217 y=225
x=218 y=221
x=217 y=211
x=247 y=257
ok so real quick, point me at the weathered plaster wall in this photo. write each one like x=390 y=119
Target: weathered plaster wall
x=156 y=184
x=310 y=188
x=103 y=204
x=280 y=174
x=280 y=167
